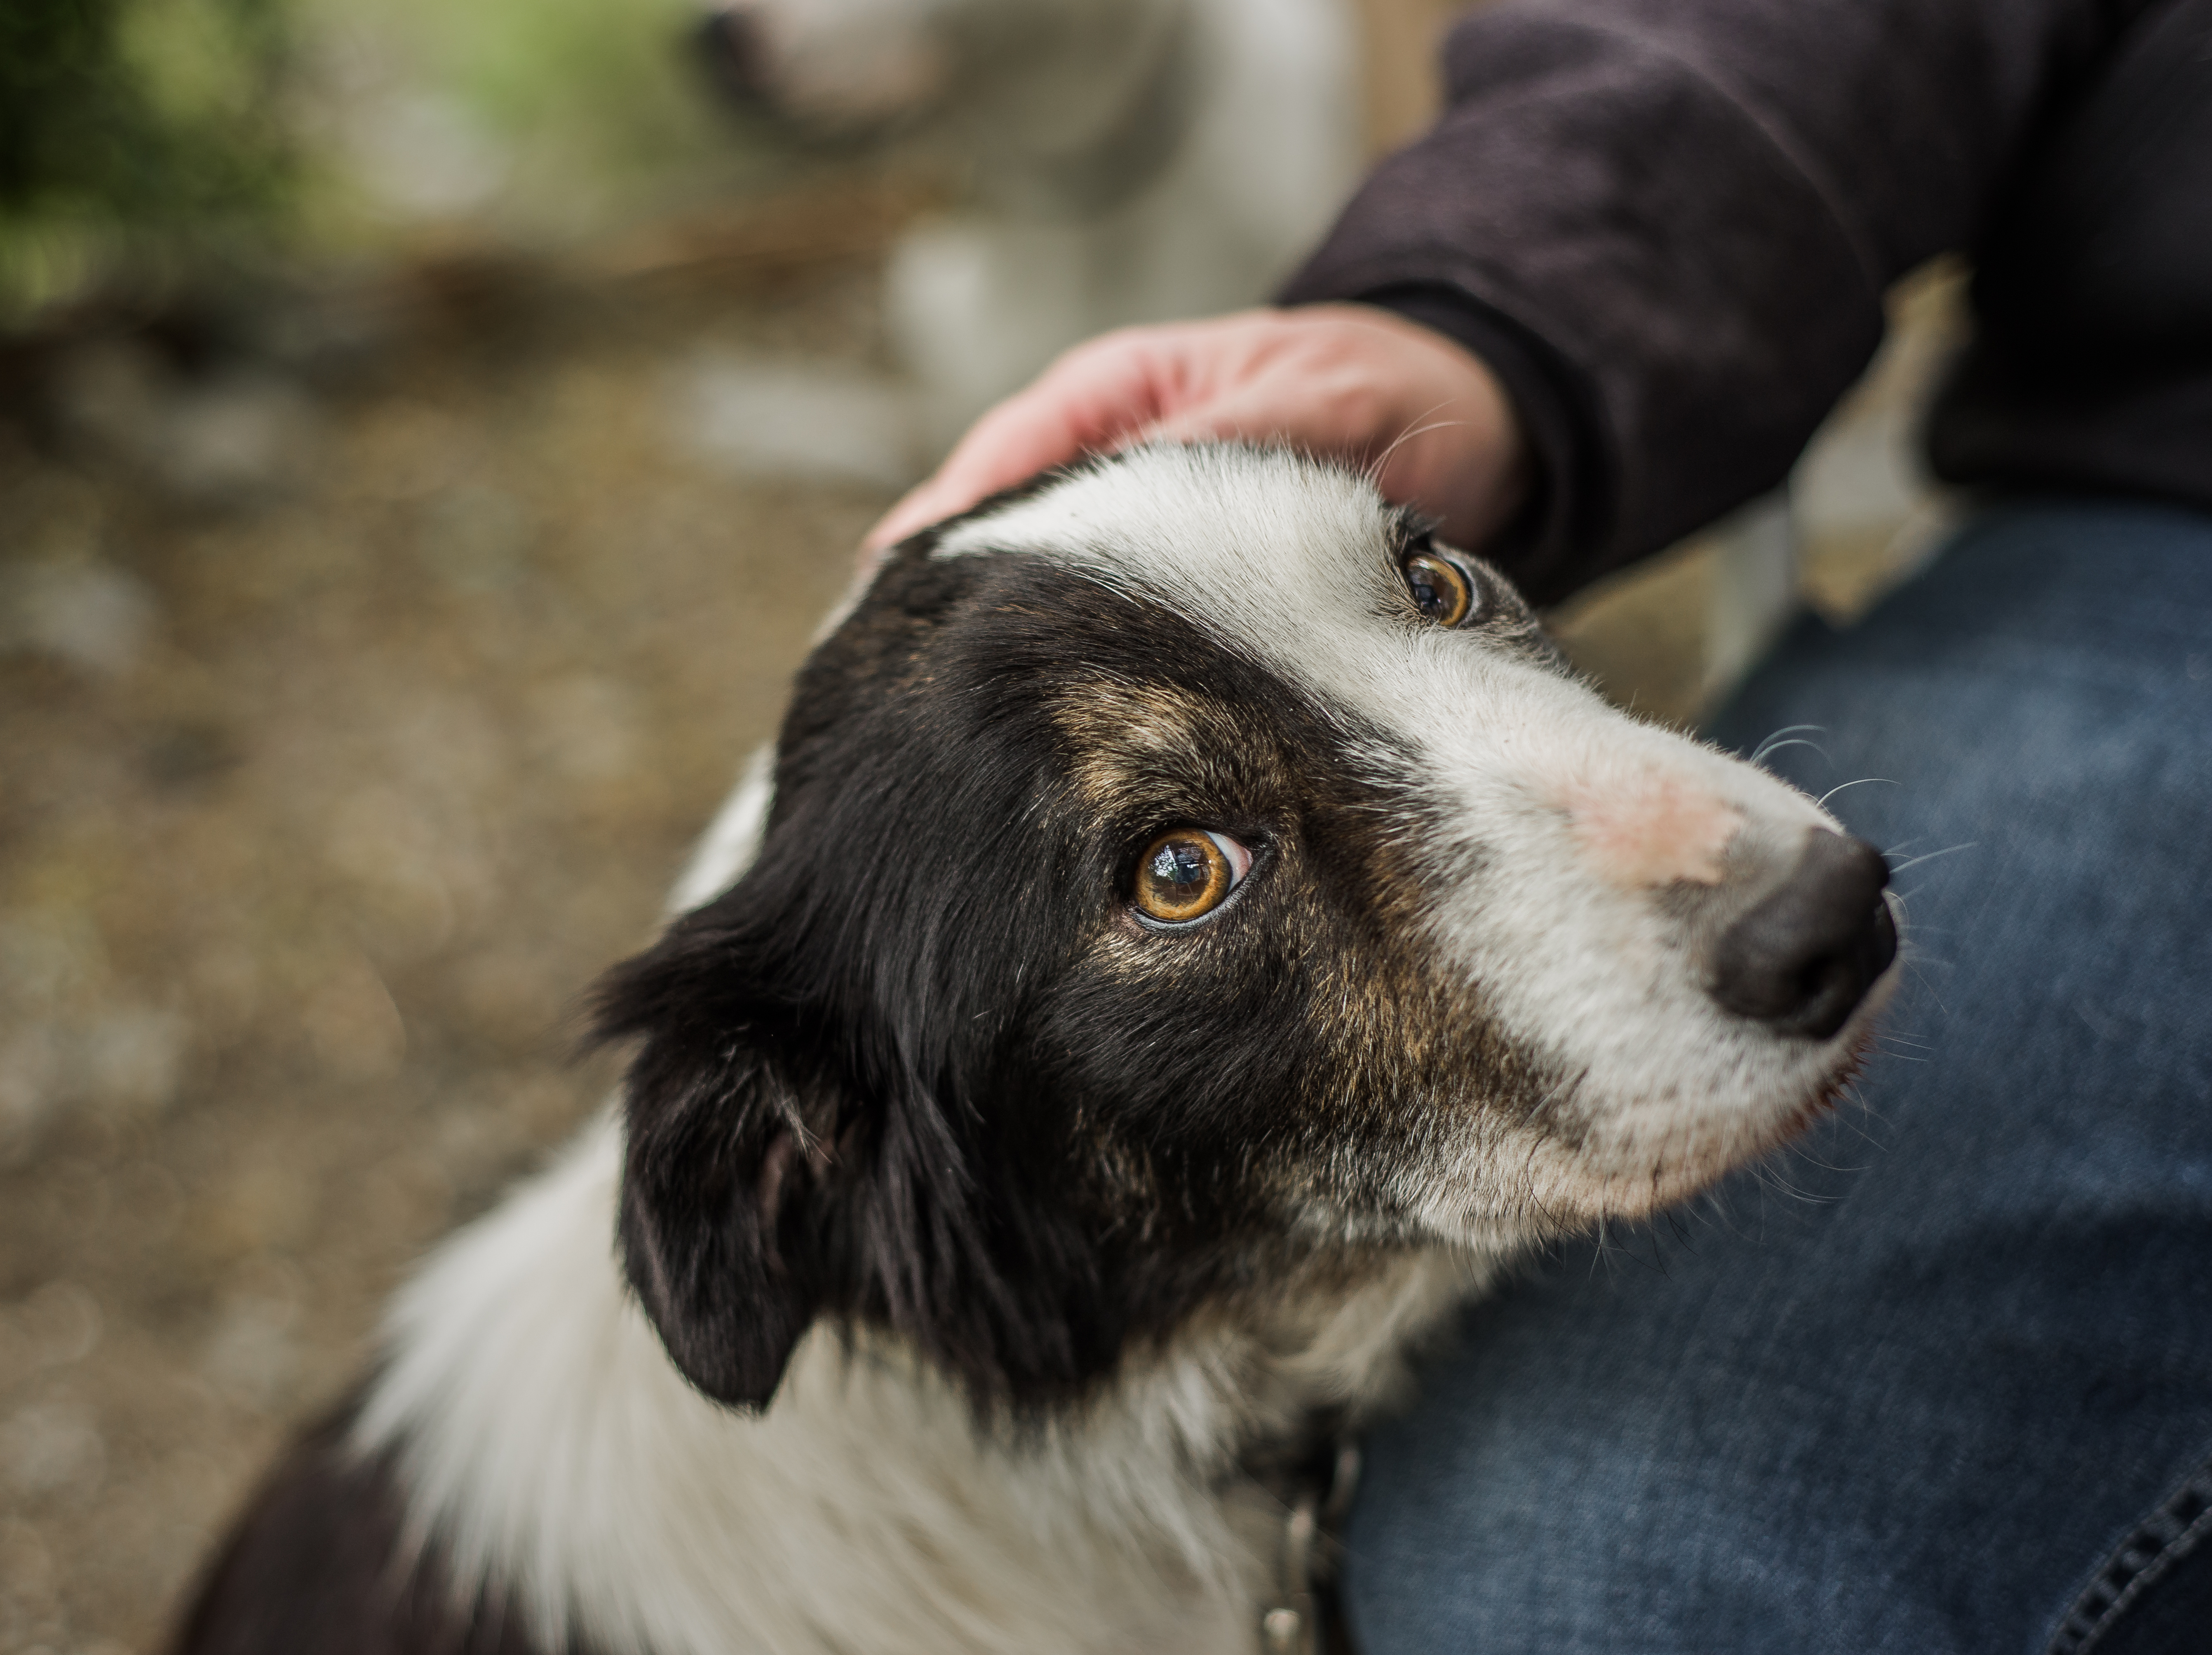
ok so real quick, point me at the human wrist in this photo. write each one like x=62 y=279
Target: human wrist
x=1448 y=437
x=1568 y=491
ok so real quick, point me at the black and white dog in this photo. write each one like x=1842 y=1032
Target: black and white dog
x=1192 y=932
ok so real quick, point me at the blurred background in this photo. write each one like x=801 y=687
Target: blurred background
x=429 y=435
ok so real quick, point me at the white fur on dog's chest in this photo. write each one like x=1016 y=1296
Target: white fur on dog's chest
x=551 y=1449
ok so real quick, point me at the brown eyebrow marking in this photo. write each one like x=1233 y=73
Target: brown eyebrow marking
x=1136 y=748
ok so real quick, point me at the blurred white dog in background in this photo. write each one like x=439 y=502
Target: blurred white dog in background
x=1117 y=161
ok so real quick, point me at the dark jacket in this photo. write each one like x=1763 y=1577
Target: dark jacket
x=1669 y=224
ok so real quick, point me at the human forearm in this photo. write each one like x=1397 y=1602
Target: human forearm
x=1691 y=207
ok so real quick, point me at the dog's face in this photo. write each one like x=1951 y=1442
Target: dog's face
x=1185 y=867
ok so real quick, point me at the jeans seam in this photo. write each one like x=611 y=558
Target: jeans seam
x=2154 y=1545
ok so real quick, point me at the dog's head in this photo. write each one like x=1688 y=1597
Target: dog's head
x=1187 y=866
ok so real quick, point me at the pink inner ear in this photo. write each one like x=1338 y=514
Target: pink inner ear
x=775 y=1170
x=1655 y=830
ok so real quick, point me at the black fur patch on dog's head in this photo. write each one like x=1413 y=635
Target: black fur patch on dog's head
x=923 y=1067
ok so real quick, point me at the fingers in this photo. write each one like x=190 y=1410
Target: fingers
x=1346 y=382
x=1255 y=415
x=1088 y=402
x=1015 y=440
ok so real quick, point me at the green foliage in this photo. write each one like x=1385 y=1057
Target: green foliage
x=598 y=103
x=145 y=138
x=147 y=124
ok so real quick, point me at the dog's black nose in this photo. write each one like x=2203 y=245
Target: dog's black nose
x=1802 y=959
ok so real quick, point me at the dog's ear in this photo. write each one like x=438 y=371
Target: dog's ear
x=807 y=1126
x=722 y=1164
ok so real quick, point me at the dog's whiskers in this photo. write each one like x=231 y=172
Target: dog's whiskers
x=1861 y=782
x=1779 y=739
x=1414 y=428
x=1930 y=856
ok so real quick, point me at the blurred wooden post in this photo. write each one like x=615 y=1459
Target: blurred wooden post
x=1400 y=79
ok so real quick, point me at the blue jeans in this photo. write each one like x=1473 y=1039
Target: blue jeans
x=1941 y=1379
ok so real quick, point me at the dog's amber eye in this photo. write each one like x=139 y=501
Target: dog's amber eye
x=1441 y=589
x=1187 y=872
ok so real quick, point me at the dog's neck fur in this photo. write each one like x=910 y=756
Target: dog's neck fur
x=555 y=1457
x=550 y=1450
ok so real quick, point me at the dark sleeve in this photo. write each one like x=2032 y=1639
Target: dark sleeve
x=1669 y=223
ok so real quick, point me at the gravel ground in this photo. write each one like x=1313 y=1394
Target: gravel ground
x=345 y=735
x=316 y=812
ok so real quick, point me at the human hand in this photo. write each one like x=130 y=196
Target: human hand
x=1348 y=382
